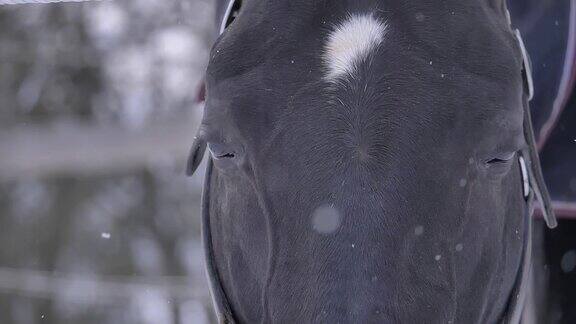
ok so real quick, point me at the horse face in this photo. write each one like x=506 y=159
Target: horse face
x=365 y=161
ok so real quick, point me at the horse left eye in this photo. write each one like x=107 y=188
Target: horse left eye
x=502 y=158
x=499 y=165
x=221 y=151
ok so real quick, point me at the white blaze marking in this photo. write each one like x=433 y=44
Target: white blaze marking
x=350 y=42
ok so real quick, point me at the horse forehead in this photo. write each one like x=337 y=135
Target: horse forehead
x=274 y=60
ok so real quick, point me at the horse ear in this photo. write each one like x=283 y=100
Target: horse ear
x=196 y=154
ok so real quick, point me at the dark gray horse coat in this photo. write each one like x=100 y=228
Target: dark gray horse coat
x=370 y=163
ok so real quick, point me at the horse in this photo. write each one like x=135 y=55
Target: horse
x=369 y=161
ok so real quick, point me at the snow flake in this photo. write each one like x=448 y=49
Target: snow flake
x=568 y=262
x=419 y=230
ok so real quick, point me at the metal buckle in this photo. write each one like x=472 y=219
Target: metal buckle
x=527 y=65
x=525 y=179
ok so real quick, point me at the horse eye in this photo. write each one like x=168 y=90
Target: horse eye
x=499 y=165
x=502 y=159
x=221 y=151
x=496 y=161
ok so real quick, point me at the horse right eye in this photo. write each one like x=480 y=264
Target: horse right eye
x=500 y=165
x=220 y=151
x=502 y=159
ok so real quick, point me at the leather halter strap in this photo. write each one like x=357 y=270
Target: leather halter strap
x=220 y=301
x=527 y=65
x=531 y=179
x=536 y=179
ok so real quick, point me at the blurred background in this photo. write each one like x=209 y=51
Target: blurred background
x=98 y=223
